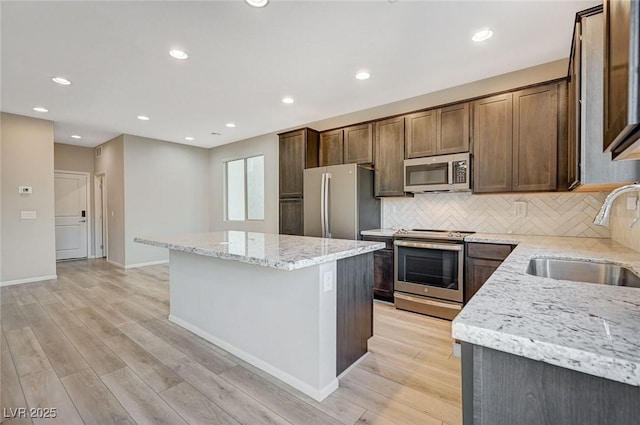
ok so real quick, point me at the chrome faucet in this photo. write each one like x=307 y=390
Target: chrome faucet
x=602 y=218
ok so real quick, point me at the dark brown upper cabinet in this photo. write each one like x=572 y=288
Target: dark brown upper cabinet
x=621 y=79
x=358 y=144
x=420 y=134
x=437 y=131
x=389 y=148
x=493 y=144
x=535 y=139
x=331 y=147
x=516 y=137
x=298 y=150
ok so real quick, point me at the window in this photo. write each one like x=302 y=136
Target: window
x=245 y=188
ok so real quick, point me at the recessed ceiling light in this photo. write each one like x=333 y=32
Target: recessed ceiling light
x=61 y=81
x=482 y=35
x=257 y=3
x=189 y=138
x=40 y=109
x=143 y=117
x=178 y=54
x=75 y=136
x=363 y=75
x=287 y=100
x=230 y=125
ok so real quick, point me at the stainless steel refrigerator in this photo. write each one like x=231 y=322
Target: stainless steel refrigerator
x=339 y=202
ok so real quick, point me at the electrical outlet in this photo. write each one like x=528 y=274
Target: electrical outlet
x=520 y=209
x=328 y=281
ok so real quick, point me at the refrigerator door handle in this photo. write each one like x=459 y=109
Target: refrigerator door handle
x=327 y=188
x=322 y=205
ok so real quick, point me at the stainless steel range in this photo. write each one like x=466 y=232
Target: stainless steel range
x=429 y=271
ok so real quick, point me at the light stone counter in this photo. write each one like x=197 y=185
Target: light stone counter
x=590 y=328
x=282 y=252
x=381 y=233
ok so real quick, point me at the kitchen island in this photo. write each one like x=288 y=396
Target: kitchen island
x=299 y=308
x=537 y=350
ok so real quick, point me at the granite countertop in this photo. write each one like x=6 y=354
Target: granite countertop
x=590 y=328
x=383 y=233
x=282 y=252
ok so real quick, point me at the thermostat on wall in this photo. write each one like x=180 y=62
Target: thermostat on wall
x=25 y=190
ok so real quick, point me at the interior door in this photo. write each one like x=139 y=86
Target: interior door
x=71 y=215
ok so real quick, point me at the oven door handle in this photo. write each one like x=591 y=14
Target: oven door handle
x=428 y=245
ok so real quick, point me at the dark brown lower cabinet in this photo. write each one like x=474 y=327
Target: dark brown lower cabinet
x=504 y=389
x=291 y=217
x=482 y=260
x=354 y=309
x=382 y=269
x=383 y=275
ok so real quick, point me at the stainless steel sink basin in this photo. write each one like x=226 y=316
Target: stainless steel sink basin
x=583 y=271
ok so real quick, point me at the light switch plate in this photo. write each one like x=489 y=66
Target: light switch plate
x=27 y=215
x=25 y=190
x=520 y=209
x=328 y=281
x=631 y=202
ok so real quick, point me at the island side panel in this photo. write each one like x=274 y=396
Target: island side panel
x=282 y=322
x=509 y=389
x=355 y=309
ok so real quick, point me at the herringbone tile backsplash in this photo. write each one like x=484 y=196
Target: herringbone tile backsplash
x=558 y=214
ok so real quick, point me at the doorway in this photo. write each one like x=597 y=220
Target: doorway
x=100 y=226
x=72 y=214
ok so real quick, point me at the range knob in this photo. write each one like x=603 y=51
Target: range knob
x=450 y=234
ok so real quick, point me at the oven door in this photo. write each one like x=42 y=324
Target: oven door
x=429 y=269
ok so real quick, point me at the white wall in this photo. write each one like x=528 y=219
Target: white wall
x=166 y=192
x=28 y=246
x=111 y=163
x=81 y=159
x=266 y=145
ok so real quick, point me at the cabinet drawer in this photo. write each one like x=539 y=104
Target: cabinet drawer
x=488 y=251
x=388 y=241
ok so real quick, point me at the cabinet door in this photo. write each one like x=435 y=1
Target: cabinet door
x=292 y=163
x=420 y=134
x=535 y=139
x=493 y=144
x=383 y=274
x=478 y=271
x=291 y=217
x=331 y=148
x=389 y=172
x=358 y=144
x=621 y=98
x=573 y=109
x=453 y=129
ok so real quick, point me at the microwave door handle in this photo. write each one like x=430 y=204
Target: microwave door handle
x=450 y=173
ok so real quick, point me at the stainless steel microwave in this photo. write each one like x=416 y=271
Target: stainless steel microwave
x=444 y=173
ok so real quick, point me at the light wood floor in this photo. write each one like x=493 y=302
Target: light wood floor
x=96 y=345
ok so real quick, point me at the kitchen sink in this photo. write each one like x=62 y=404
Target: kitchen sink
x=583 y=271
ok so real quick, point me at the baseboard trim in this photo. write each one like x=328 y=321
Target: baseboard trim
x=316 y=394
x=150 y=263
x=28 y=280
x=113 y=263
x=354 y=364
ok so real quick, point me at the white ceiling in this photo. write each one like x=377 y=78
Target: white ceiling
x=243 y=61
